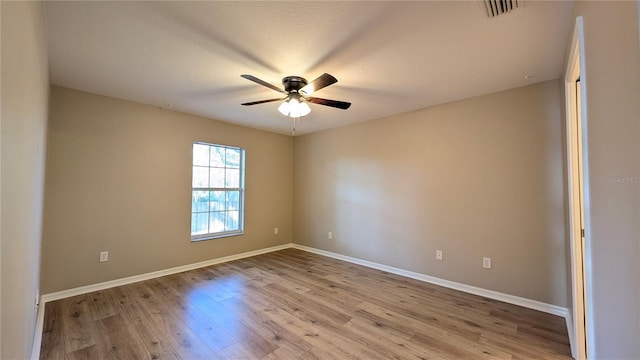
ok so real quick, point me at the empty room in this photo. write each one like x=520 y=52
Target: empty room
x=320 y=180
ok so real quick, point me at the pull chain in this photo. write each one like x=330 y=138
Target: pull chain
x=295 y=121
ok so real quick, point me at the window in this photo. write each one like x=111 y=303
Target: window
x=217 y=193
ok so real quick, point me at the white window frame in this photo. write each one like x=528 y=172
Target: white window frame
x=240 y=190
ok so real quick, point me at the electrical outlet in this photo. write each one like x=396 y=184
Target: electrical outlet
x=439 y=255
x=104 y=256
x=275 y=231
x=330 y=235
x=486 y=263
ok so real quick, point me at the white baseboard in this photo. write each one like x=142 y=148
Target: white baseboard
x=511 y=299
x=155 y=274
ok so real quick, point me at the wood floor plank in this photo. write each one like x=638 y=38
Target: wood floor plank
x=78 y=330
x=100 y=305
x=52 y=332
x=293 y=304
x=242 y=317
x=117 y=341
x=87 y=353
x=131 y=311
x=236 y=351
x=397 y=345
x=198 y=321
x=169 y=325
x=158 y=347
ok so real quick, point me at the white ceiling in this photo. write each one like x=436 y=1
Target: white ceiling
x=388 y=57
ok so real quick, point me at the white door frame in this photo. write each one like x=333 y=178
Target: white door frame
x=577 y=173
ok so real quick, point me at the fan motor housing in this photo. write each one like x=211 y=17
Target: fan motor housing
x=293 y=83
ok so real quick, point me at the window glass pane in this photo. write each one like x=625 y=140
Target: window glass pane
x=199 y=201
x=233 y=158
x=213 y=212
x=217 y=156
x=216 y=179
x=201 y=155
x=233 y=200
x=199 y=223
x=231 y=222
x=217 y=201
x=200 y=177
x=216 y=221
x=232 y=180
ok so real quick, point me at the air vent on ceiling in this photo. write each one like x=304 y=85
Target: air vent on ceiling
x=500 y=7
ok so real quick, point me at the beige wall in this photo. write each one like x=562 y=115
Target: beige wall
x=612 y=79
x=119 y=177
x=477 y=177
x=25 y=94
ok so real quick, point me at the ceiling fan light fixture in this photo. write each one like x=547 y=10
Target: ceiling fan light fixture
x=284 y=108
x=295 y=105
x=294 y=108
x=299 y=110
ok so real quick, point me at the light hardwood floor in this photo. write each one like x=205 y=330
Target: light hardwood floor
x=292 y=304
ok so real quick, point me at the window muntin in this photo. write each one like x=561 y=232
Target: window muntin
x=217 y=191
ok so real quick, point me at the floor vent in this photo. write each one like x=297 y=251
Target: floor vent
x=500 y=7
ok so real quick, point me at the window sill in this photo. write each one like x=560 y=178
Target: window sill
x=215 y=236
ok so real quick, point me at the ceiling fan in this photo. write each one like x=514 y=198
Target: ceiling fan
x=297 y=91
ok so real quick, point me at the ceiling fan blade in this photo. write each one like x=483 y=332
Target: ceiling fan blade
x=263 y=83
x=333 y=103
x=322 y=81
x=262 y=101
